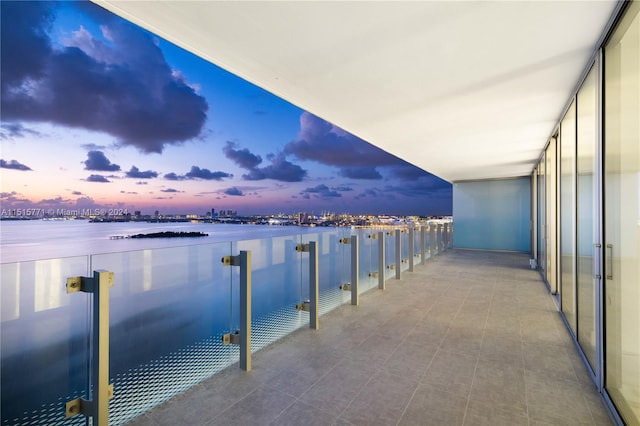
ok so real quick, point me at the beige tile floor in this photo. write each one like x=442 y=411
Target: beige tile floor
x=470 y=338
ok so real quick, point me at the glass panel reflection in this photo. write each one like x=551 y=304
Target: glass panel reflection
x=404 y=246
x=390 y=253
x=169 y=309
x=368 y=259
x=333 y=269
x=43 y=330
x=277 y=282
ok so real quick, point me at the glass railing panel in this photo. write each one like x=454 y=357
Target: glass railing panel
x=368 y=259
x=44 y=341
x=303 y=260
x=390 y=253
x=169 y=309
x=277 y=281
x=416 y=244
x=404 y=246
x=435 y=239
x=344 y=264
x=427 y=242
x=333 y=269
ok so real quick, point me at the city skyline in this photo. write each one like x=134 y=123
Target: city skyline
x=98 y=113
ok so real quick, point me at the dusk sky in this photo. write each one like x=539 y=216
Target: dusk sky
x=96 y=112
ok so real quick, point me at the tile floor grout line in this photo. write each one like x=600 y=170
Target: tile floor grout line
x=343 y=359
x=432 y=358
x=475 y=368
x=524 y=364
x=338 y=363
x=381 y=369
x=230 y=406
x=413 y=394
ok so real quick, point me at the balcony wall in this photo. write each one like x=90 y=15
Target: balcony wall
x=493 y=214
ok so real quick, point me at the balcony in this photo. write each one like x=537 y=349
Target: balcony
x=468 y=337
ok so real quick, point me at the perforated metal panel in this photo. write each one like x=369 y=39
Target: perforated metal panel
x=148 y=385
x=272 y=327
x=49 y=414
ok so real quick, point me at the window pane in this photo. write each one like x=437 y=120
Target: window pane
x=567 y=215
x=586 y=232
x=551 y=204
x=542 y=223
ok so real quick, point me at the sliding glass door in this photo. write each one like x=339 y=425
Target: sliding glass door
x=622 y=215
x=551 y=215
x=587 y=214
x=568 y=215
x=541 y=214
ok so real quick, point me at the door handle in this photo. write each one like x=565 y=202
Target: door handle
x=609 y=257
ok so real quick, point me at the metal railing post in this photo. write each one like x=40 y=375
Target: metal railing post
x=381 y=261
x=101 y=391
x=398 y=253
x=411 y=247
x=445 y=236
x=311 y=305
x=423 y=244
x=432 y=240
x=245 y=310
x=243 y=336
x=355 y=270
x=313 y=286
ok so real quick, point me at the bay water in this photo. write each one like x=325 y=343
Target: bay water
x=24 y=240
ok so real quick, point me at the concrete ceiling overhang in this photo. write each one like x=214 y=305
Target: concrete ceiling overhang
x=464 y=90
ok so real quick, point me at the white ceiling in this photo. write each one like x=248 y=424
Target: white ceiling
x=464 y=90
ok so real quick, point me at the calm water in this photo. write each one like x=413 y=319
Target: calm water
x=40 y=239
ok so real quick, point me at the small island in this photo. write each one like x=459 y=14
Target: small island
x=170 y=234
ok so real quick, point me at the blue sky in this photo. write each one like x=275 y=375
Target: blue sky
x=96 y=112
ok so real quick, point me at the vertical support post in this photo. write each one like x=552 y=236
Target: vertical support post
x=411 y=247
x=100 y=390
x=313 y=285
x=398 y=253
x=440 y=235
x=245 y=310
x=381 y=261
x=355 y=270
x=423 y=244
x=445 y=236
x=102 y=280
x=432 y=239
